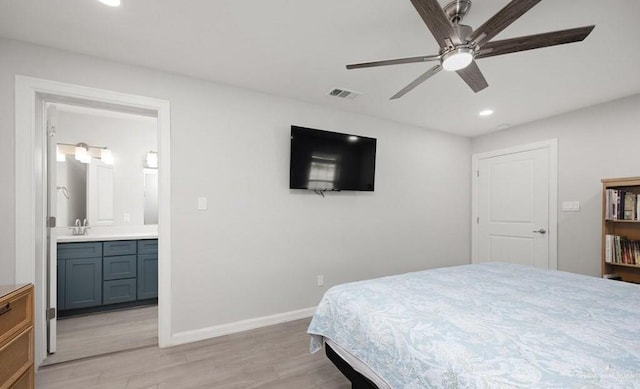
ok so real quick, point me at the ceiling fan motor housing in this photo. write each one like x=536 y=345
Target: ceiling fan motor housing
x=457 y=10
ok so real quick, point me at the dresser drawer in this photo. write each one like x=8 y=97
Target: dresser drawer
x=26 y=381
x=16 y=313
x=119 y=247
x=114 y=268
x=79 y=250
x=148 y=246
x=16 y=357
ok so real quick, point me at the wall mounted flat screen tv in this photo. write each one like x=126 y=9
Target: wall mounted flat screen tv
x=331 y=161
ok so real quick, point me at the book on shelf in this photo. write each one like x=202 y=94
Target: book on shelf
x=630 y=206
x=618 y=249
x=622 y=205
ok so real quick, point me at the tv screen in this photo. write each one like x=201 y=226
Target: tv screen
x=331 y=161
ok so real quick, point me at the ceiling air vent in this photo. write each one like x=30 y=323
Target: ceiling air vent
x=344 y=93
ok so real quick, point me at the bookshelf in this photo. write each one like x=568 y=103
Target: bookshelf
x=621 y=228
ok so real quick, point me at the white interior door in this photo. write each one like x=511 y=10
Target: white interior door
x=52 y=200
x=515 y=212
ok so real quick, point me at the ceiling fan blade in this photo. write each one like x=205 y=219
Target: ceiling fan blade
x=434 y=70
x=398 y=61
x=473 y=77
x=502 y=20
x=531 y=42
x=434 y=17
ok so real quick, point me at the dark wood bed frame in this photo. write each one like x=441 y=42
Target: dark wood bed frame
x=358 y=381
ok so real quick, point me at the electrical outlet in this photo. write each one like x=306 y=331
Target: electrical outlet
x=127 y=218
x=202 y=203
x=320 y=280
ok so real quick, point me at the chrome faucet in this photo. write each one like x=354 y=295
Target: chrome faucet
x=80 y=227
x=85 y=227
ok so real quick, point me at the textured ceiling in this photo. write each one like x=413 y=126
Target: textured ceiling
x=298 y=49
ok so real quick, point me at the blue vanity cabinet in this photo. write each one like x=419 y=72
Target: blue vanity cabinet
x=79 y=271
x=100 y=276
x=147 y=269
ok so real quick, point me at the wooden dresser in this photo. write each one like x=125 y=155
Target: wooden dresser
x=16 y=337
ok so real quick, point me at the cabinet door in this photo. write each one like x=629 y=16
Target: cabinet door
x=83 y=282
x=60 y=270
x=147 y=276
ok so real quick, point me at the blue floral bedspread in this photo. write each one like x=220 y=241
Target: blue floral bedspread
x=491 y=325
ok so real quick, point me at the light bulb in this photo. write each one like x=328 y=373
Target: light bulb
x=106 y=156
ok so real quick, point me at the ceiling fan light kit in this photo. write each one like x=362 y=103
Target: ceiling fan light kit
x=460 y=45
x=458 y=58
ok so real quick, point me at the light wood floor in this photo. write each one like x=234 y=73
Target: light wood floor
x=270 y=357
x=103 y=333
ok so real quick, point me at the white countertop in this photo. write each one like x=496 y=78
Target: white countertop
x=102 y=237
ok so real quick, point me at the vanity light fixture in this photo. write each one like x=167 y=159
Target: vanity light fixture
x=152 y=159
x=83 y=153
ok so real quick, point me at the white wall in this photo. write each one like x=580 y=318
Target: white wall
x=258 y=248
x=593 y=143
x=129 y=140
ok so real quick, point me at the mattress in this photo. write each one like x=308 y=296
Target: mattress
x=486 y=325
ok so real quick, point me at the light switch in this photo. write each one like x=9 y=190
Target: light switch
x=202 y=203
x=571 y=206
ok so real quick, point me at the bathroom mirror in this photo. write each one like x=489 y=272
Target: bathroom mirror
x=115 y=191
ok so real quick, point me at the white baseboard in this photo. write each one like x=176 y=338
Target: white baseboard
x=239 y=326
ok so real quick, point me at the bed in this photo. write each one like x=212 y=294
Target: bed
x=482 y=326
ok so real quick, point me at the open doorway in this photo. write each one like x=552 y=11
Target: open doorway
x=102 y=191
x=33 y=224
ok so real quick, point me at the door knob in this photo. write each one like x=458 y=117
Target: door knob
x=541 y=231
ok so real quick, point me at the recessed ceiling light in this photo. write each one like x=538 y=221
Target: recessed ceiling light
x=486 y=112
x=353 y=138
x=110 y=3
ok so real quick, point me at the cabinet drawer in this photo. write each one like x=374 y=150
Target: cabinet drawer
x=79 y=250
x=119 y=247
x=16 y=357
x=119 y=291
x=115 y=268
x=26 y=381
x=148 y=246
x=16 y=313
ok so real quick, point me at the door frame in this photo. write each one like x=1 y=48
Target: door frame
x=552 y=146
x=30 y=180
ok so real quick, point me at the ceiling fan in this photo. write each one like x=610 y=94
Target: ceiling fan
x=461 y=45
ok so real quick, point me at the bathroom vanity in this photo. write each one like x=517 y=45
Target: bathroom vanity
x=110 y=273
